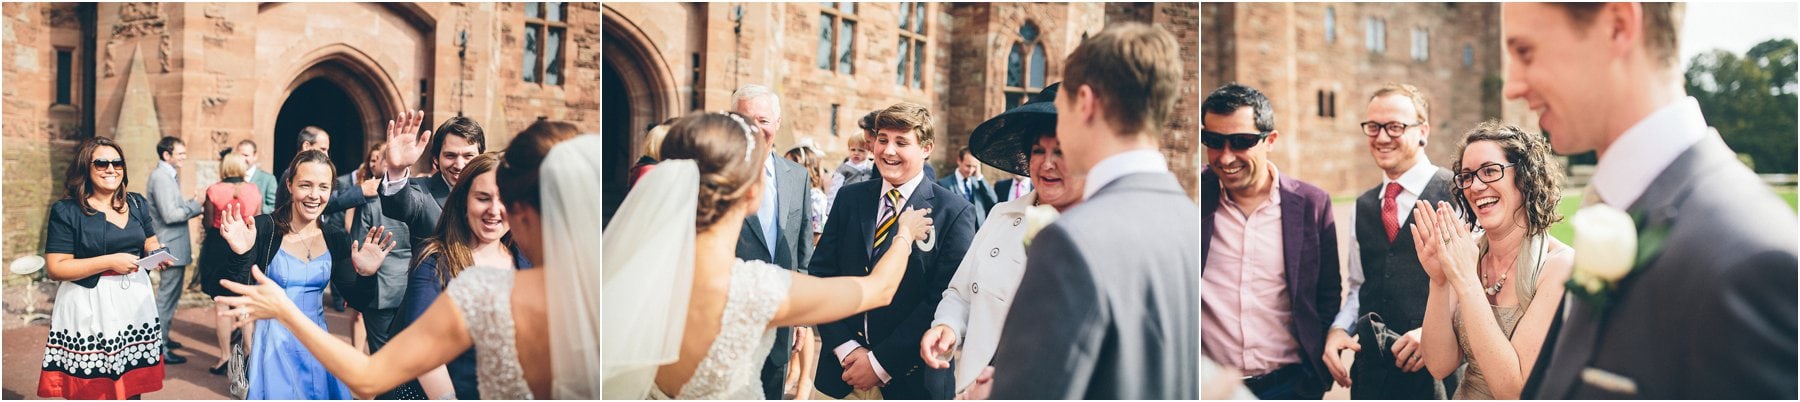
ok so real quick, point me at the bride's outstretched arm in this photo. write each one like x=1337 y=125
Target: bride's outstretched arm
x=434 y=339
x=812 y=300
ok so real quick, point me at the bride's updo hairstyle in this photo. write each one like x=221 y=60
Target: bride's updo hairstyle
x=729 y=153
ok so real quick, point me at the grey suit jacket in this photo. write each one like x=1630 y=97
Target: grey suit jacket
x=793 y=239
x=172 y=213
x=793 y=245
x=1711 y=316
x=1109 y=307
x=391 y=278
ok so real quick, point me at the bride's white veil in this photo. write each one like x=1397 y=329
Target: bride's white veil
x=647 y=276
x=568 y=188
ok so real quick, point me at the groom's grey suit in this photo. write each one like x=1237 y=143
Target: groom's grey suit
x=1711 y=316
x=1109 y=306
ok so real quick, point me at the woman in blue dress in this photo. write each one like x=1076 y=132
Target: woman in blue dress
x=302 y=257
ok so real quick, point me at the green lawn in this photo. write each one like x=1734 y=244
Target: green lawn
x=1566 y=232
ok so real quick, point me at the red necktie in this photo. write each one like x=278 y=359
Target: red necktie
x=1390 y=211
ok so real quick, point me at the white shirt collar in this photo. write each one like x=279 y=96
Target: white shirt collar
x=1416 y=178
x=162 y=164
x=1123 y=164
x=962 y=180
x=1644 y=150
x=906 y=189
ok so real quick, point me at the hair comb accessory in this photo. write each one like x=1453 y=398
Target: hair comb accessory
x=749 y=137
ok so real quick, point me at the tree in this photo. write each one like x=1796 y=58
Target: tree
x=1751 y=101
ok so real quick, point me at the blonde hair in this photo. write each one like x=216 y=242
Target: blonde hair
x=1422 y=107
x=1135 y=72
x=653 y=141
x=233 y=166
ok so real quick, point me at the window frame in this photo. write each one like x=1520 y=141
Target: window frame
x=917 y=37
x=1027 y=49
x=838 y=17
x=542 y=25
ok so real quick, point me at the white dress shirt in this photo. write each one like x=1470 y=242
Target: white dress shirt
x=1123 y=164
x=981 y=292
x=1412 y=183
x=1646 y=149
x=906 y=191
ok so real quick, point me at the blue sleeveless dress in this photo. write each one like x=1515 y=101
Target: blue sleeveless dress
x=280 y=366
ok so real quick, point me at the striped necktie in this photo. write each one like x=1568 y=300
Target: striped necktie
x=890 y=217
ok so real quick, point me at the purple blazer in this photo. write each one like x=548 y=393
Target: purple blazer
x=1309 y=237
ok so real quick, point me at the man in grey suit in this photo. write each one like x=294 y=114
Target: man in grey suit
x=264 y=181
x=780 y=231
x=391 y=278
x=419 y=201
x=1109 y=306
x=172 y=214
x=1710 y=314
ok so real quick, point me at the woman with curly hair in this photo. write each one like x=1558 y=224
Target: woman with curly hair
x=1484 y=282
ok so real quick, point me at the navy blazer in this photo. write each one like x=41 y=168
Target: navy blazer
x=893 y=331
x=1309 y=241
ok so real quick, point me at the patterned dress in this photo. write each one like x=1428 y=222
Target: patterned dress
x=105 y=341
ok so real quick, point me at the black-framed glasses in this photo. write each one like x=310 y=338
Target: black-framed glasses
x=112 y=163
x=1488 y=173
x=1241 y=141
x=1394 y=128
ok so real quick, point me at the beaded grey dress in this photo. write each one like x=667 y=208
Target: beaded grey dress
x=732 y=368
x=483 y=296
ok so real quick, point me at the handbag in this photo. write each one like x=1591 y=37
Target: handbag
x=237 y=371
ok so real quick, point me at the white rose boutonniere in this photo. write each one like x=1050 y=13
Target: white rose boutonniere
x=1609 y=245
x=1036 y=218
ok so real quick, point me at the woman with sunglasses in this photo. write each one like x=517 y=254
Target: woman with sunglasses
x=1494 y=290
x=105 y=341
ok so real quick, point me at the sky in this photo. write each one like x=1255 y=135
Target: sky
x=1736 y=26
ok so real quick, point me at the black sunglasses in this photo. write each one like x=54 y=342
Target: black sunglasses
x=1241 y=141
x=113 y=163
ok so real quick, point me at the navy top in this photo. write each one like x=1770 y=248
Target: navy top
x=73 y=231
x=422 y=289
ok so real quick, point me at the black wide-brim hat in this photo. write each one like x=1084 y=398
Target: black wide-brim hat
x=1004 y=141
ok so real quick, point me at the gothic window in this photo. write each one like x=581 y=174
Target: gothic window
x=1026 y=67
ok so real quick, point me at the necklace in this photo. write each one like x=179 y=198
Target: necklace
x=305 y=239
x=1495 y=288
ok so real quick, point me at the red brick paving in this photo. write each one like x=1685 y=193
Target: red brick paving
x=193 y=327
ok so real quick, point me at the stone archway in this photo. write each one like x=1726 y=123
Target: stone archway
x=341 y=96
x=639 y=91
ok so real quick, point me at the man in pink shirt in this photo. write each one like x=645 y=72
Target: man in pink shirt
x=1270 y=270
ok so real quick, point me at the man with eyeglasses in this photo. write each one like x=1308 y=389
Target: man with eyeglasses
x=1385 y=306
x=1266 y=306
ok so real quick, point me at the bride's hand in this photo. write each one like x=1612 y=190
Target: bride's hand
x=914 y=224
x=261 y=301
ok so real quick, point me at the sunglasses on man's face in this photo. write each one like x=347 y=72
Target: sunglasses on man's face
x=109 y=163
x=1240 y=141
